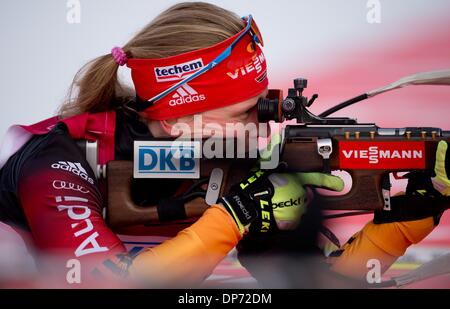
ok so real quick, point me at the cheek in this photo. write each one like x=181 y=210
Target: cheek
x=231 y=118
x=224 y=119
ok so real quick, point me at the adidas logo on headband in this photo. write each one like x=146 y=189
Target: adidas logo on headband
x=186 y=94
x=178 y=71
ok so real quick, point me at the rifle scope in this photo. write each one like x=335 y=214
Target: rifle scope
x=294 y=106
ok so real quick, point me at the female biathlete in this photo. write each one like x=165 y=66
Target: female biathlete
x=49 y=189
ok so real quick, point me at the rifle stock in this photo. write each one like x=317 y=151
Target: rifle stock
x=122 y=211
x=300 y=155
x=366 y=192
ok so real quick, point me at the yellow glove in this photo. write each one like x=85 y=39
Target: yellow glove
x=290 y=198
x=441 y=182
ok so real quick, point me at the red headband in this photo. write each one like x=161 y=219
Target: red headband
x=241 y=76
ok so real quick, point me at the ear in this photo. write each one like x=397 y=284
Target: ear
x=178 y=127
x=167 y=125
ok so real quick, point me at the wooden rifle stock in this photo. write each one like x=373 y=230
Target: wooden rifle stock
x=366 y=192
x=122 y=211
x=300 y=155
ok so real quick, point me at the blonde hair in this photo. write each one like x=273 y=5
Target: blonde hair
x=181 y=28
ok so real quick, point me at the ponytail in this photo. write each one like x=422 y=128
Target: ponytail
x=96 y=88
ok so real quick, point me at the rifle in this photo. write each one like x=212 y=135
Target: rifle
x=316 y=143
